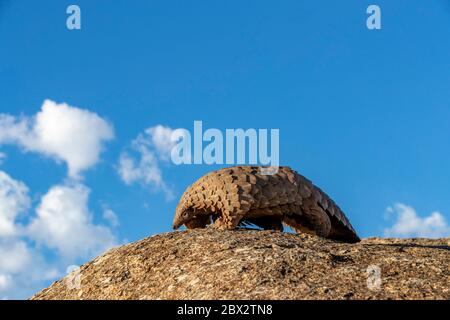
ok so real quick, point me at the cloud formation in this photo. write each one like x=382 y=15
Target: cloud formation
x=142 y=164
x=64 y=223
x=22 y=268
x=161 y=138
x=13 y=201
x=410 y=224
x=144 y=169
x=110 y=216
x=59 y=131
x=15 y=256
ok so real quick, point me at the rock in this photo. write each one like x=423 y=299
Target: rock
x=252 y=264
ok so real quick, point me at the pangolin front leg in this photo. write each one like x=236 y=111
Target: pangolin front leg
x=229 y=219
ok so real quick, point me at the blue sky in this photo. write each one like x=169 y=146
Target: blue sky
x=363 y=113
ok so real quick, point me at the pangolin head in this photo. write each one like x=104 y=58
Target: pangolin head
x=183 y=212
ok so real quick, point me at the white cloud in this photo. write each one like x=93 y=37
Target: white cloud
x=410 y=224
x=160 y=137
x=64 y=223
x=15 y=256
x=23 y=270
x=111 y=217
x=13 y=201
x=5 y=282
x=145 y=170
x=150 y=149
x=59 y=131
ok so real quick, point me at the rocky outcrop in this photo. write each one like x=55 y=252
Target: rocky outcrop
x=252 y=264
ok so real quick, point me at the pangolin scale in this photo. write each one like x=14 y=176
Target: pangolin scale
x=243 y=195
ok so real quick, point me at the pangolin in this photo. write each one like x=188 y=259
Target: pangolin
x=243 y=195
